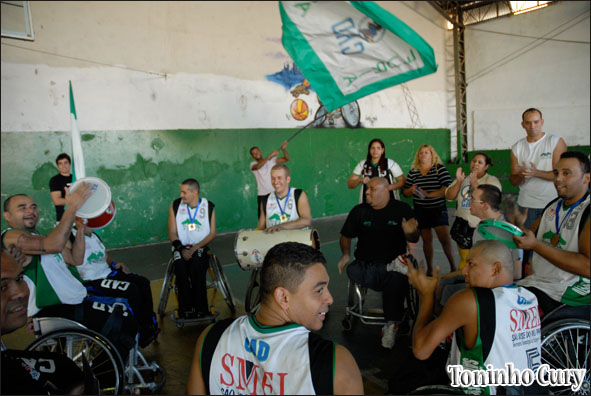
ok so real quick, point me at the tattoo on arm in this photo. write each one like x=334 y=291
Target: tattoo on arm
x=28 y=243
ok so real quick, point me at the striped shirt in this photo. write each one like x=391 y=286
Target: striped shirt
x=433 y=180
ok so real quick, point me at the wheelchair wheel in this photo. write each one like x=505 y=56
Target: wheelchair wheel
x=102 y=357
x=252 y=302
x=221 y=282
x=166 y=286
x=565 y=344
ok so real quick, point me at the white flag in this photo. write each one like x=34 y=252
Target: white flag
x=79 y=169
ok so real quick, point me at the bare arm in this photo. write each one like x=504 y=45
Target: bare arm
x=262 y=219
x=285 y=157
x=345 y=244
x=354 y=181
x=400 y=180
x=451 y=193
x=172 y=233
x=56 y=241
x=516 y=178
x=195 y=382
x=440 y=192
x=79 y=246
x=262 y=162
x=56 y=197
x=347 y=377
x=574 y=262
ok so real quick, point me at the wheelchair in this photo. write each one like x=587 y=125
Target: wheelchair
x=566 y=343
x=89 y=348
x=218 y=282
x=357 y=308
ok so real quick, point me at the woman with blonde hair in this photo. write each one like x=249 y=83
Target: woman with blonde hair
x=427 y=182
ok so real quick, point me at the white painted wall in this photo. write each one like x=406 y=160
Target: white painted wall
x=181 y=65
x=507 y=74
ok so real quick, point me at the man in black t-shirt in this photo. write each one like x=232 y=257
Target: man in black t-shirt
x=59 y=183
x=382 y=227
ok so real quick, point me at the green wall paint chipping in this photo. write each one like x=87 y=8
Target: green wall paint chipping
x=144 y=170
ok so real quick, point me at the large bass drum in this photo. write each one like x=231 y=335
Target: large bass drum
x=251 y=246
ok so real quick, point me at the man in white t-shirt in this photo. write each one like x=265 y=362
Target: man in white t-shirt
x=261 y=169
x=532 y=160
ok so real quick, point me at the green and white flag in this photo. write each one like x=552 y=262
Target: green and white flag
x=79 y=169
x=350 y=49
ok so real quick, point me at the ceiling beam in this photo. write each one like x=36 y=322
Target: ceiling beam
x=445 y=15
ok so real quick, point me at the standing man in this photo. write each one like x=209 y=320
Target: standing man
x=261 y=169
x=560 y=261
x=191 y=226
x=286 y=208
x=532 y=160
x=59 y=184
x=275 y=351
x=480 y=317
x=382 y=226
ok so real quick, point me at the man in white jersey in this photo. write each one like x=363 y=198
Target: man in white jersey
x=274 y=351
x=261 y=169
x=191 y=226
x=532 y=160
x=560 y=262
x=56 y=289
x=286 y=208
x=487 y=318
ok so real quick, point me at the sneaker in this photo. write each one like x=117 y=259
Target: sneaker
x=389 y=335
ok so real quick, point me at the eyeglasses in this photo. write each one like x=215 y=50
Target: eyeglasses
x=471 y=198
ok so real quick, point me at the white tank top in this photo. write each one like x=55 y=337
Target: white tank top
x=463 y=209
x=274 y=208
x=263 y=176
x=560 y=285
x=201 y=222
x=536 y=192
x=253 y=359
x=95 y=264
x=516 y=337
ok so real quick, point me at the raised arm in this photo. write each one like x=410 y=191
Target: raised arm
x=285 y=157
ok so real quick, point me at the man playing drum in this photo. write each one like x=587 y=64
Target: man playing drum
x=56 y=288
x=191 y=226
x=274 y=351
x=286 y=208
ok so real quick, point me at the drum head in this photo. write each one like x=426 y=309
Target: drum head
x=499 y=231
x=98 y=202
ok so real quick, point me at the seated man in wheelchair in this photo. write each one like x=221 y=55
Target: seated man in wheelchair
x=382 y=227
x=115 y=280
x=191 y=226
x=31 y=372
x=561 y=251
x=493 y=321
x=56 y=288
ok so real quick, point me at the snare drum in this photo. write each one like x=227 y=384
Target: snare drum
x=251 y=246
x=99 y=210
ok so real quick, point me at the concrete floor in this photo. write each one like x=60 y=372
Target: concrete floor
x=174 y=349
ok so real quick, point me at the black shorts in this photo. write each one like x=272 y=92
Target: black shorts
x=431 y=217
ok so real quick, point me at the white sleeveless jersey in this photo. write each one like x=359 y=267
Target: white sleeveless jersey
x=201 y=221
x=273 y=213
x=95 y=264
x=560 y=285
x=261 y=360
x=509 y=328
x=463 y=198
x=536 y=192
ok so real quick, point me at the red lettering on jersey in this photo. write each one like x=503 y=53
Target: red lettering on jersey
x=269 y=376
x=282 y=383
x=524 y=320
x=242 y=376
x=227 y=369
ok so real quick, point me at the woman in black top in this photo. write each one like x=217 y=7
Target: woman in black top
x=426 y=182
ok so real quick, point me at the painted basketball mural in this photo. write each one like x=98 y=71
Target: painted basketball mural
x=299 y=109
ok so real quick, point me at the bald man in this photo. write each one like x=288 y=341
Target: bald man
x=382 y=226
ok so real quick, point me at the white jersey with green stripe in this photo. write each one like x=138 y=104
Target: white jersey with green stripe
x=560 y=285
x=509 y=331
x=254 y=359
x=51 y=281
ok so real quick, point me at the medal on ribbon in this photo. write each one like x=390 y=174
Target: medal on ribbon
x=556 y=238
x=283 y=217
x=192 y=226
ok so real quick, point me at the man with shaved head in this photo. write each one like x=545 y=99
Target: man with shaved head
x=493 y=320
x=382 y=226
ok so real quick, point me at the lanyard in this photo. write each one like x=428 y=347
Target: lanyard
x=558 y=227
x=192 y=218
x=286 y=199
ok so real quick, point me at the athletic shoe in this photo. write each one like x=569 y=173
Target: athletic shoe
x=389 y=335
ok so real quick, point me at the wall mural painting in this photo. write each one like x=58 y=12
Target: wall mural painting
x=306 y=103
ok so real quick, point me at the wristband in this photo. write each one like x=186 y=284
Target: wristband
x=113 y=264
x=177 y=245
